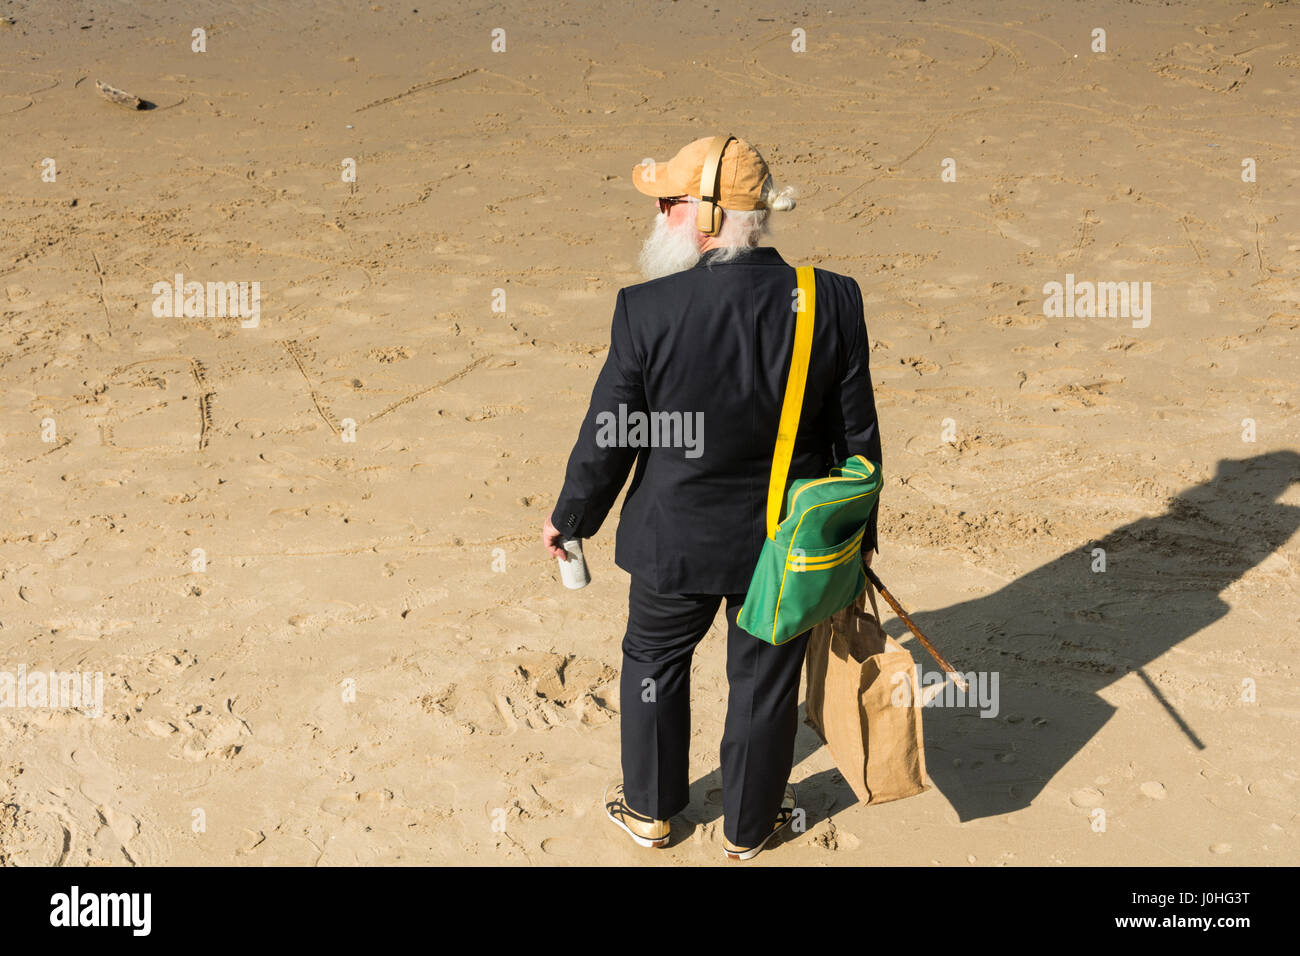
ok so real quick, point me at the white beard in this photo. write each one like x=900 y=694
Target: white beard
x=668 y=249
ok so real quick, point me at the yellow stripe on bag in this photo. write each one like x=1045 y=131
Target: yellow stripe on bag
x=793 y=401
x=828 y=559
x=823 y=561
x=848 y=546
x=801 y=567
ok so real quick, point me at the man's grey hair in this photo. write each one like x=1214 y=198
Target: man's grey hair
x=745 y=229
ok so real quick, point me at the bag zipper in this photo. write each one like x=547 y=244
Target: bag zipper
x=822 y=481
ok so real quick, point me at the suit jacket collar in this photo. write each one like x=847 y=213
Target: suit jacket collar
x=758 y=256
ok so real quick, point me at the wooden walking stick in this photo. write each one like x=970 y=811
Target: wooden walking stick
x=902 y=616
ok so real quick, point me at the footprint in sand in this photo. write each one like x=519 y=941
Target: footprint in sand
x=112 y=838
x=42 y=836
x=1086 y=797
x=540 y=690
x=351 y=804
x=212 y=736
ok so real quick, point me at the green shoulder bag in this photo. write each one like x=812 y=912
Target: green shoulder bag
x=810 y=566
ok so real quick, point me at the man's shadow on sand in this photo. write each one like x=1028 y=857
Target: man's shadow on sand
x=1059 y=634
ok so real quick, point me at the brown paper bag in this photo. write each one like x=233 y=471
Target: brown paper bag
x=855 y=703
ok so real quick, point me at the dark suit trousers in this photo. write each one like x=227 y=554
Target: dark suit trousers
x=762 y=711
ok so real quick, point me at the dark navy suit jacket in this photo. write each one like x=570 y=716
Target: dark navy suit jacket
x=714 y=342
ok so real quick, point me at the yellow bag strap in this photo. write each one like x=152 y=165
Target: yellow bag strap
x=792 y=404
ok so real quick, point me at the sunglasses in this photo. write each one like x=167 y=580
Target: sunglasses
x=666 y=203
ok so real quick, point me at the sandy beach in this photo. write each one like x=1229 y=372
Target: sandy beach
x=304 y=554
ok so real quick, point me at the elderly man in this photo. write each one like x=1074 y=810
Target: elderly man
x=708 y=341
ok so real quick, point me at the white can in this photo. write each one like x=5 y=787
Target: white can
x=573 y=572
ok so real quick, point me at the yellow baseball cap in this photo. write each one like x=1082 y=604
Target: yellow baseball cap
x=743 y=174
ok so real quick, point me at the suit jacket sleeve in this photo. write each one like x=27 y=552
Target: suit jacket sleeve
x=857 y=404
x=597 y=469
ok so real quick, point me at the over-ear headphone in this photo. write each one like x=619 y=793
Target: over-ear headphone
x=709 y=219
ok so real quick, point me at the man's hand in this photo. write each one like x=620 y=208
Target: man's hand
x=552 y=539
x=867 y=556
